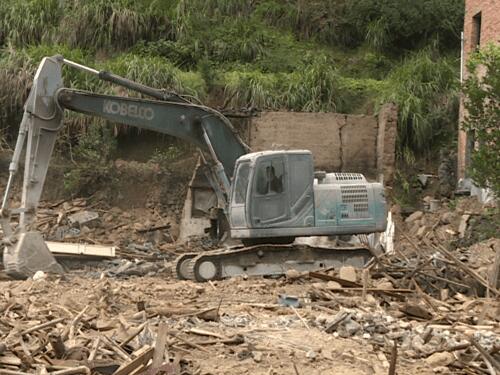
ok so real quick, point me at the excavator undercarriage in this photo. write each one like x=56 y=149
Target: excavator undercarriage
x=267 y=260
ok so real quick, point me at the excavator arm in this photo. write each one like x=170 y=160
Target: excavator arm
x=25 y=251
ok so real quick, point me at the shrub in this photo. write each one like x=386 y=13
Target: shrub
x=482 y=119
x=425 y=88
x=29 y=22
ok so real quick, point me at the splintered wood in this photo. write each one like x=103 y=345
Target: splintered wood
x=58 y=337
x=425 y=308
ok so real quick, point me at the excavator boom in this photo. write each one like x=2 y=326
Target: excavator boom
x=25 y=251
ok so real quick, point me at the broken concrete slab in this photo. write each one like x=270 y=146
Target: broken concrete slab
x=88 y=218
x=440 y=359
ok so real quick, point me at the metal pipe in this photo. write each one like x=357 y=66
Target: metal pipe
x=21 y=138
x=127 y=83
x=80 y=67
x=219 y=169
x=462 y=57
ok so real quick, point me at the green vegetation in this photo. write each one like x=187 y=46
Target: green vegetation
x=482 y=93
x=94 y=151
x=426 y=91
x=319 y=55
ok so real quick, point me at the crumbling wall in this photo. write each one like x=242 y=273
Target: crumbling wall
x=339 y=142
x=386 y=141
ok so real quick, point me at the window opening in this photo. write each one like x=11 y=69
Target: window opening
x=241 y=184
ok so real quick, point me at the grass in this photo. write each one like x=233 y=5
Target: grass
x=29 y=22
x=321 y=55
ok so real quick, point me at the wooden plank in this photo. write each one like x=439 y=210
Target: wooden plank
x=135 y=332
x=141 y=360
x=66 y=248
x=344 y=283
x=160 y=345
x=467 y=269
x=42 y=326
x=494 y=279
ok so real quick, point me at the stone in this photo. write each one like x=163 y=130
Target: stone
x=463 y=226
x=88 y=218
x=333 y=285
x=417 y=215
x=421 y=231
x=382 y=358
x=371 y=300
x=257 y=356
x=348 y=273
x=417 y=344
x=447 y=218
x=352 y=327
x=39 y=275
x=414 y=228
x=384 y=284
x=427 y=199
x=311 y=354
x=84 y=230
x=440 y=359
x=396 y=209
x=292 y=274
x=441 y=370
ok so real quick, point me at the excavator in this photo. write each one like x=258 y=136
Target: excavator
x=268 y=198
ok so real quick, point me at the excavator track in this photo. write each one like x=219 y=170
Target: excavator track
x=182 y=269
x=268 y=260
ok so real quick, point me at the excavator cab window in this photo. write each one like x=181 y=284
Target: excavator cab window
x=241 y=183
x=270 y=177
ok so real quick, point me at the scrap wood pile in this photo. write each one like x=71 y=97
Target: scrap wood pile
x=455 y=308
x=39 y=336
x=438 y=271
x=461 y=333
x=317 y=320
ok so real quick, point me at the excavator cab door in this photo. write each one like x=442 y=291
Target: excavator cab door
x=269 y=197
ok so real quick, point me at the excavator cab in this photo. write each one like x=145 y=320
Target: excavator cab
x=276 y=196
x=272 y=190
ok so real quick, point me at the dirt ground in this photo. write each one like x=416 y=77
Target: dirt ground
x=111 y=314
x=275 y=337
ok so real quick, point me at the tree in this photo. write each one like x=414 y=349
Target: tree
x=482 y=119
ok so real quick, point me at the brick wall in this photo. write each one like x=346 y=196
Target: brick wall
x=490 y=33
x=339 y=142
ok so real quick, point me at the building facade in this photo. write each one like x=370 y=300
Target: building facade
x=481 y=27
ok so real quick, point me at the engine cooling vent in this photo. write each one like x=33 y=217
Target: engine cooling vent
x=355 y=198
x=354 y=194
x=348 y=177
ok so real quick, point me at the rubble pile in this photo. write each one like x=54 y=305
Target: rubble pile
x=431 y=306
x=444 y=332
x=57 y=336
x=314 y=322
x=137 y=234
